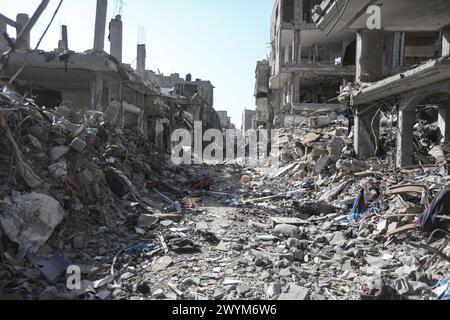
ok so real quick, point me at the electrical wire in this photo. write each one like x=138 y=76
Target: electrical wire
x=376 y=139
x=339 y=18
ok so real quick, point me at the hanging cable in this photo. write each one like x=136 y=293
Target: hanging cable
x=339 y=17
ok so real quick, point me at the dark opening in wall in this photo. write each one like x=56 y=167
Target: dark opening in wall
x=288 y=11
x=350 y=55
x=47 y=98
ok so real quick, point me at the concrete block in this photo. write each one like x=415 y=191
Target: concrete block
x=78 y=144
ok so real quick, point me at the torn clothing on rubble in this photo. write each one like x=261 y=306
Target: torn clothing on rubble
x=359 y=209
x=439 y=207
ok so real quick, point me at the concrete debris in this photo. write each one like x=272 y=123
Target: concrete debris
x=295 y=293
x=112 y=211
x=30 y=219
x=356 y=210
x=57 y=152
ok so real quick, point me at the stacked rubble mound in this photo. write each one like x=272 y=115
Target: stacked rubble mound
x=91 y=211
x=343 y=228
x=74 y=187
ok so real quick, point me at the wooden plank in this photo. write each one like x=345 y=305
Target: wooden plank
x=406 y=189
x=403 y=229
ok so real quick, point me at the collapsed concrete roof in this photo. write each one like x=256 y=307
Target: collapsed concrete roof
x=396 y=15
x=432 y=72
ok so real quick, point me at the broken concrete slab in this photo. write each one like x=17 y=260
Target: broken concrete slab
x=295 y=293
x=30 y=219
x=58 y=152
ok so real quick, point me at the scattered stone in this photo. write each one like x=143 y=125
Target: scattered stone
x=78 y=242
x=222 y=247
x=296 y=293
x=166 y=223
x=338 y=239
x=218 y=294
x=285 y=230
x=273 y=289
x=126 y=276
x=162 y=264
x=158 y=294
x=285 y=273
x=58 y=170
x=147 y=220
x=243 y=289
x=58 y=152
x=78 y=145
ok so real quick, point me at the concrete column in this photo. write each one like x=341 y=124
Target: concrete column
x=444 y=123
x=406 y=121
x=64 y=42
x=289 y=54
x=369 y=55
x=100 y=25
x=296 y=89
x=115 y=37
x=290 y=91
x=446 y=41
x=397 y=50
x=65 y=36
x=98 y=91
x=298 y=11
x=285 y=54
x=296 y=48
x=24 y=43
x=3 y=44
x=140 y=62
x=367 y=130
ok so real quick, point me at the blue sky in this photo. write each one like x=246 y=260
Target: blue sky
x=217 y=40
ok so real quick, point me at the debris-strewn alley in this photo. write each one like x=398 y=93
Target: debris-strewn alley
x=95 y=204
x=140 y=227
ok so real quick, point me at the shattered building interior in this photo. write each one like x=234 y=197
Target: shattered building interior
x=356 y=210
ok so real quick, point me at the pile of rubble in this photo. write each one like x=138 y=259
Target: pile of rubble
x=78 y=193
x=349 y=229
x=75 y=187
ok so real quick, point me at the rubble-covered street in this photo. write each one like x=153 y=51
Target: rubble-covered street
x=94 y=204
x=143 y=228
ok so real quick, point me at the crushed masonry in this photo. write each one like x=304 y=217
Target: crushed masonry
x=356 y=209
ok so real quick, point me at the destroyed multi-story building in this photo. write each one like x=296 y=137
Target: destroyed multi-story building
x=194 y=97
x=306 y=66
x=403 y=63
x=248 y=120
x=319 y=48
x=225 y=120
x=94 y=80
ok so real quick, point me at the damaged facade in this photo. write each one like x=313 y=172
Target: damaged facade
x=325 y=61
x=306 y=67
x=401 y=70
x=95 y=80
x=194 y=97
